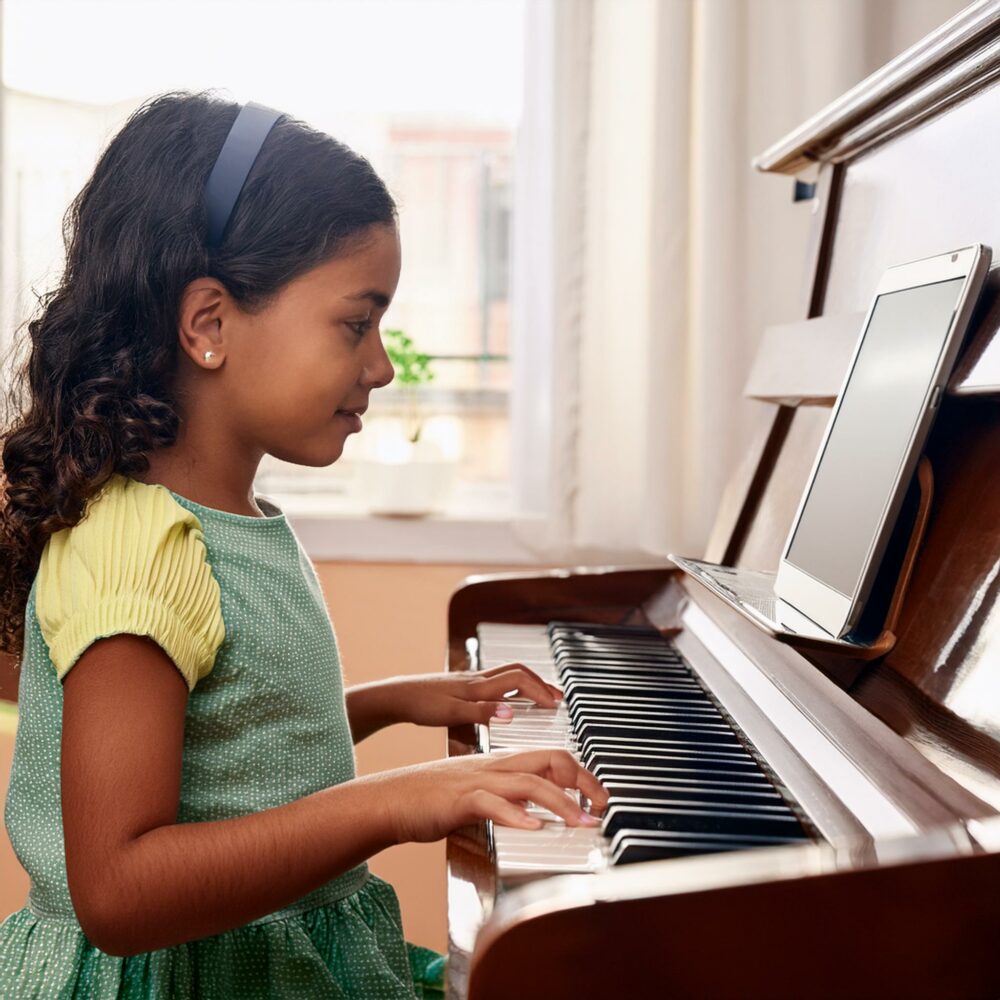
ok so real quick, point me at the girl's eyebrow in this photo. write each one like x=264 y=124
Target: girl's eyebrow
x=379 y=298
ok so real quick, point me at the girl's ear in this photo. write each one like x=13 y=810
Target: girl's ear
x=200 y=321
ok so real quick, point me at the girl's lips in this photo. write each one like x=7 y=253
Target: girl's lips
x=353 y=419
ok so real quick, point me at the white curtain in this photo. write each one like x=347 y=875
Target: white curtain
x=649 y=256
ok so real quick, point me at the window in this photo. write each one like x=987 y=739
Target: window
x=434 y=104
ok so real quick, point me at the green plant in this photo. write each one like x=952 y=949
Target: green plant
x=412 y=370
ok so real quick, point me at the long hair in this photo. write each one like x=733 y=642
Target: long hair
x=95 y=395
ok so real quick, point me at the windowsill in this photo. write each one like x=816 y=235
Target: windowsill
x=474 y=527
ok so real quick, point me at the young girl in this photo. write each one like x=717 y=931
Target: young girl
x=183 y=791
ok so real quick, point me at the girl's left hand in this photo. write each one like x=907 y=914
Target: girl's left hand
x=475 y=696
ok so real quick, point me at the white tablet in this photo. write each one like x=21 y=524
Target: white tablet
x=894 y=384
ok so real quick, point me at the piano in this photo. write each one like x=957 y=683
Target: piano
x=783 y=821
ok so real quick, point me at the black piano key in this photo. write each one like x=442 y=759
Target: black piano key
x=659 y=721
x=696 y=777
x=639 y=668
x=615 y=705
x=666 y=790
x=563 y=647
x=653 y=694
x=689 y=708
x=582 y=633
x=632 y=651
x=654 y=699
x=701 y=798
x=700 y=736
x=708 y=752
x=631 y=746
x=669 y=670
x=612 y=685
x=680 y=778
x=634 y=849
x=665 y=713
x=575 y=702
x=674 y=691
x=715 y=768
x=562 y=650
x=677 y=714
x=667 y=665
x=628 y=848
x=634 y=675
x=735 y=822
x=611 y=631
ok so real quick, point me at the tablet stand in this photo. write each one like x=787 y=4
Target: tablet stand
x=875 y=631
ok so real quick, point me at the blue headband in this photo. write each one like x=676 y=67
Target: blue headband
x=234 y=163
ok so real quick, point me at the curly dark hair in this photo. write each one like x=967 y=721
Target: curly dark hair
x=95 y=395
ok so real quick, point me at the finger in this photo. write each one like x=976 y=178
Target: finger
x=500 y=668
x=566 y=770
x=526 y=682
x=482 y=712
x=543 y=793
x=488 y=805
x=493 y=711
x=560 y=767
x=503 y=667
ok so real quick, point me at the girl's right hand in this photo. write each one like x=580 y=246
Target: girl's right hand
x=427 y=801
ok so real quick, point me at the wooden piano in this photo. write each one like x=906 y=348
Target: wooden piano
x=890 y=885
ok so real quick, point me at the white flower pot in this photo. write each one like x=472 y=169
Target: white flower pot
x=410 y=489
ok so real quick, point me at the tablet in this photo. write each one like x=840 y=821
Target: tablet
x=909 y=342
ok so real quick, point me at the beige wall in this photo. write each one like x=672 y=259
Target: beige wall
x=390 y=620
x=13 y=878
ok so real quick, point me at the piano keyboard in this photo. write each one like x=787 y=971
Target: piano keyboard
x=681 y=780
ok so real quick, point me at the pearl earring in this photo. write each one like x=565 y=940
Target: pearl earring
x=209 y=355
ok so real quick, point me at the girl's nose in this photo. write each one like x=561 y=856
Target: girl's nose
x=379 y=372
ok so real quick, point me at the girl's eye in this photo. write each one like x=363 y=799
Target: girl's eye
x=361 y=328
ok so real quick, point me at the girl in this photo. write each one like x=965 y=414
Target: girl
x=183 y=791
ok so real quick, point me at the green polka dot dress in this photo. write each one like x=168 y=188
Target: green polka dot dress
x=236 y=603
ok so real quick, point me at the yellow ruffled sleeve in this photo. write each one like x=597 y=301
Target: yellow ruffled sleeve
x=137 y=563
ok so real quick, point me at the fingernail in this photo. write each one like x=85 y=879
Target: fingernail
x=503 y=712
x=587 y=818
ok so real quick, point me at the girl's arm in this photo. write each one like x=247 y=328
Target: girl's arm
x=140 y=881
x=443 y=699
x=370 y=707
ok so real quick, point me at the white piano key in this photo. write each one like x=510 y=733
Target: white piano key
x=533 y=809
x=553 y=848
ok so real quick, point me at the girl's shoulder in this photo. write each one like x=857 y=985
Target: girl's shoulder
x=124 y=502
x=124 y=519
x=135 y=562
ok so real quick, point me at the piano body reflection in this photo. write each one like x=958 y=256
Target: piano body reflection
x=783 y=822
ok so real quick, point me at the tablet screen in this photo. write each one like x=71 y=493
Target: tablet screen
x=881 y=406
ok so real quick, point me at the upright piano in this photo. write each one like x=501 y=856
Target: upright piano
x=784 y=822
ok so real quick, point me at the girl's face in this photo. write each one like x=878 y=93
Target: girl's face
x=317 y=350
